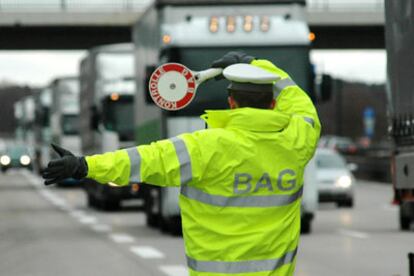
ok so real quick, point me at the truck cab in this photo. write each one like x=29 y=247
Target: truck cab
x=107 y=112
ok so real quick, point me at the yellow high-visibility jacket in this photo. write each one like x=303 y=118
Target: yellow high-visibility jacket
x=241 y=182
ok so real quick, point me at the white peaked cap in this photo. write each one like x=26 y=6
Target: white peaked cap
x=246 y=73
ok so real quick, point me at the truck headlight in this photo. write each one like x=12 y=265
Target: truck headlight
x=344 y=181
x=25 y=160
x=5 y=160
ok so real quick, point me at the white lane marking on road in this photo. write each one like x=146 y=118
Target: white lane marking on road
x=174 y=270
x=88 y=220
x=147 y=252
x=77 y=214
x=32 y=178
x=101 y=228
x=353 y=234
x=390 y=207
x=121 y=238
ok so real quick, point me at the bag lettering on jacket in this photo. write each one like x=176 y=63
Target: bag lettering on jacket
x=286 y=181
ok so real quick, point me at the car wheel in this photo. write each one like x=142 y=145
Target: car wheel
x=349 y=203
x=405 y=210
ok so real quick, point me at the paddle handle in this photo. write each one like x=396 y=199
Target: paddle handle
x=204 y=75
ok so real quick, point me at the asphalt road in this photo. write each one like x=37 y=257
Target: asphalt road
x=50 y=231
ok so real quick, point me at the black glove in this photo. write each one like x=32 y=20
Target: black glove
x=232 y=58
x=68 y=165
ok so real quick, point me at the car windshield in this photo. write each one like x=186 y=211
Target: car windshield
x=330 y=161
x=17 y=150
x=343 y=141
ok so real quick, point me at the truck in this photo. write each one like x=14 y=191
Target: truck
x=24 y=143
x=64 y=117
x=195 y=33
x=107 y=107
x=43 y=137
x=18 y=116
x=399 y=38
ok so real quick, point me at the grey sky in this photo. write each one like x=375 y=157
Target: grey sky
x=38 y=68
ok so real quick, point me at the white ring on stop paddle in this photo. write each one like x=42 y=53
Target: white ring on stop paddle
x=173 y=86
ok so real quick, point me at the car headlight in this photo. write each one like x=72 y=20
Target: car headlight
x=344 y=181
x=25 y=160
x=5 y=160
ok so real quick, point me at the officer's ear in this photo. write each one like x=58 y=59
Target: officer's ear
x=232 y=102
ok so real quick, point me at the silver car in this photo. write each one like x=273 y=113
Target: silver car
x=335 y=180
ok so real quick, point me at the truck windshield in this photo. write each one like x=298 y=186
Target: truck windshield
x=118 y=116
x=213 y=94
x=115 y=65
x=70 y=124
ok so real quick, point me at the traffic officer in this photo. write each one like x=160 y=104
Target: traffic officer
x=241 y=179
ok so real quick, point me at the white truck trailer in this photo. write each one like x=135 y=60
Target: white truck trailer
x=195 y=33
x=43 y=134
x=18 y=117
x=107 y=108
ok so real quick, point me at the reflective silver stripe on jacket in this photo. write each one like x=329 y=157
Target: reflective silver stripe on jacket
x=241 y=266
x=240 y=201
x=310 y=121
x=184 y=158
x=282 y=84
x=135 y=165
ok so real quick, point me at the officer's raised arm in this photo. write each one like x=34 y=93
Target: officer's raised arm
x=290 y=98
x=293 y=101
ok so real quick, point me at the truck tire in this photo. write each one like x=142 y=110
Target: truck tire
x=151 y=198
x=171 y=225
x=305 y=225
x=174 y=226
x=91 y=200
x=109 y=205
x=406 y=211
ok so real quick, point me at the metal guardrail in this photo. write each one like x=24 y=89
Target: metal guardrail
x=56 y=6
x=98 y=6
x=346 y=5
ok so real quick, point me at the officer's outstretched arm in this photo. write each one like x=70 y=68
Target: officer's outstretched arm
x=162 y=163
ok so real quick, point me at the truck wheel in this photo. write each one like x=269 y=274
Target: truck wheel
x=171 y=225
x=175 y=226
x=305 y=225
x=152 y=218
x=92 y=202
x=110 y=205
x=406 y=209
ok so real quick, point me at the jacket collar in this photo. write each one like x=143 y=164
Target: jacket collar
x=252 y=119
